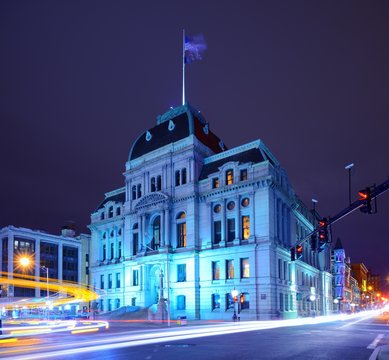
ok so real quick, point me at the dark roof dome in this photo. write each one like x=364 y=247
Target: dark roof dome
x=176 y=124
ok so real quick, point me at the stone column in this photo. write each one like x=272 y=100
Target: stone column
x=162 y=236
x=223 y=223
x=252 y=218
x=143 y=239
x=210 y=227
x=168 y=241
x=237 y=221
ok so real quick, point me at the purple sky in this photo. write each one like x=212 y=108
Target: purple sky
x=80 y=80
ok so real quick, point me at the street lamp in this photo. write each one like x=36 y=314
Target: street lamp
x=336 y=301
x=234 y=294
x=26 y=262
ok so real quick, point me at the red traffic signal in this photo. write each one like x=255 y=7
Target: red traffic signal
x=323 y=234
x=365 y=197
x=299 y=252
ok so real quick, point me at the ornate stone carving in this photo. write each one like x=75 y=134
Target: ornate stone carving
x=151 y=200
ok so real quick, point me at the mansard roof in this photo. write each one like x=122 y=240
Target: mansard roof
x=254 y=152
x=117 y=196
x=174 y=125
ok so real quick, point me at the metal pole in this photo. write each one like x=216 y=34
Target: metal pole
x=168 y=286
x=47 y=292
x=183 y=67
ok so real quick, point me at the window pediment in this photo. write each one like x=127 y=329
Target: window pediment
x=151 y=200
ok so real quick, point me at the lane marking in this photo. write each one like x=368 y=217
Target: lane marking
x=374 y=344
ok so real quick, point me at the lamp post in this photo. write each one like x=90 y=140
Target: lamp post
x=234 y=294
x=25 y=262
x=336 y=301
x=349 y=167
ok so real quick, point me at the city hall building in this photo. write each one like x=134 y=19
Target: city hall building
x=195 y=221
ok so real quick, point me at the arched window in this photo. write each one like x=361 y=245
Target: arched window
x=159 y=183
x=183 y=176
x=120 y=249
x=104 y=252
x=181 y=229
x=152 y=185
x=229 y=177
x=112 y=251
x=155 y=242
x=177 y=178
x=135 y=239
x=139 y=191
x=110 y=211
x=133 y=192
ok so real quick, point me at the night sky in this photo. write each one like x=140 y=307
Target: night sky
x=80 y=80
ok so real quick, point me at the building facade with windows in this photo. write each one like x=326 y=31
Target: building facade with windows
x=63 y=255
x=204 y=220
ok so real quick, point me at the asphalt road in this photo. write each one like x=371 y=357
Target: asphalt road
x=349 y=339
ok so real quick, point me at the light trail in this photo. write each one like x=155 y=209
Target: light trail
x=165 y=335
x=74 y=291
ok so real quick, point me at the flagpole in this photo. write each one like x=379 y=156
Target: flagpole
x=183 y=67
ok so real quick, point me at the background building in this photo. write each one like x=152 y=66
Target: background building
x=203 y=221
x=62 y=255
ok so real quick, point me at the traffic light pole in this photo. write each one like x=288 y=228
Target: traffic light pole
x=378 y=190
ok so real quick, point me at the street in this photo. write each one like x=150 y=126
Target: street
x=352 y=338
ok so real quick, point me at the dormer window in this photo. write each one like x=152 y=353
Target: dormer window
x=171 y=125
x=229 y=177
x=148 y=136
x=110 y=211
x=118 y=211
x=215 y=183
x=102 y=216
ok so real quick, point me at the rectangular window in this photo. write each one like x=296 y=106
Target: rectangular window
x=243 y=174
x=281 y=302
x=217 y=232
x=109 y=281
x=244 y=301
x=117 y=280
x=111 y=251
x=215 y=183
x=215 y=301
x=139 y=191
x=229 y=177
x=229 y=269
x=109 y=304
x=279 y=268
x=135 y=277
x=133 y=192
x=101 y=281
x=285 y=268
x=286 y=302
x=181 y=235
x=181 y=272
x=120 y=250
x=230 y=230
x=215 y=270
x=291 y=302
x=181 y=303
x=244 y=268
x=134 y=243
x=246 y=226
x=104 y=252
x=229 y=301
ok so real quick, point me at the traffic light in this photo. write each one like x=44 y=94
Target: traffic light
x=299 y=252
x=365 y=196
x=293 y=254
x=323 y=234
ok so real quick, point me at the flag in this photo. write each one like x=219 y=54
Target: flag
x=194 y=46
